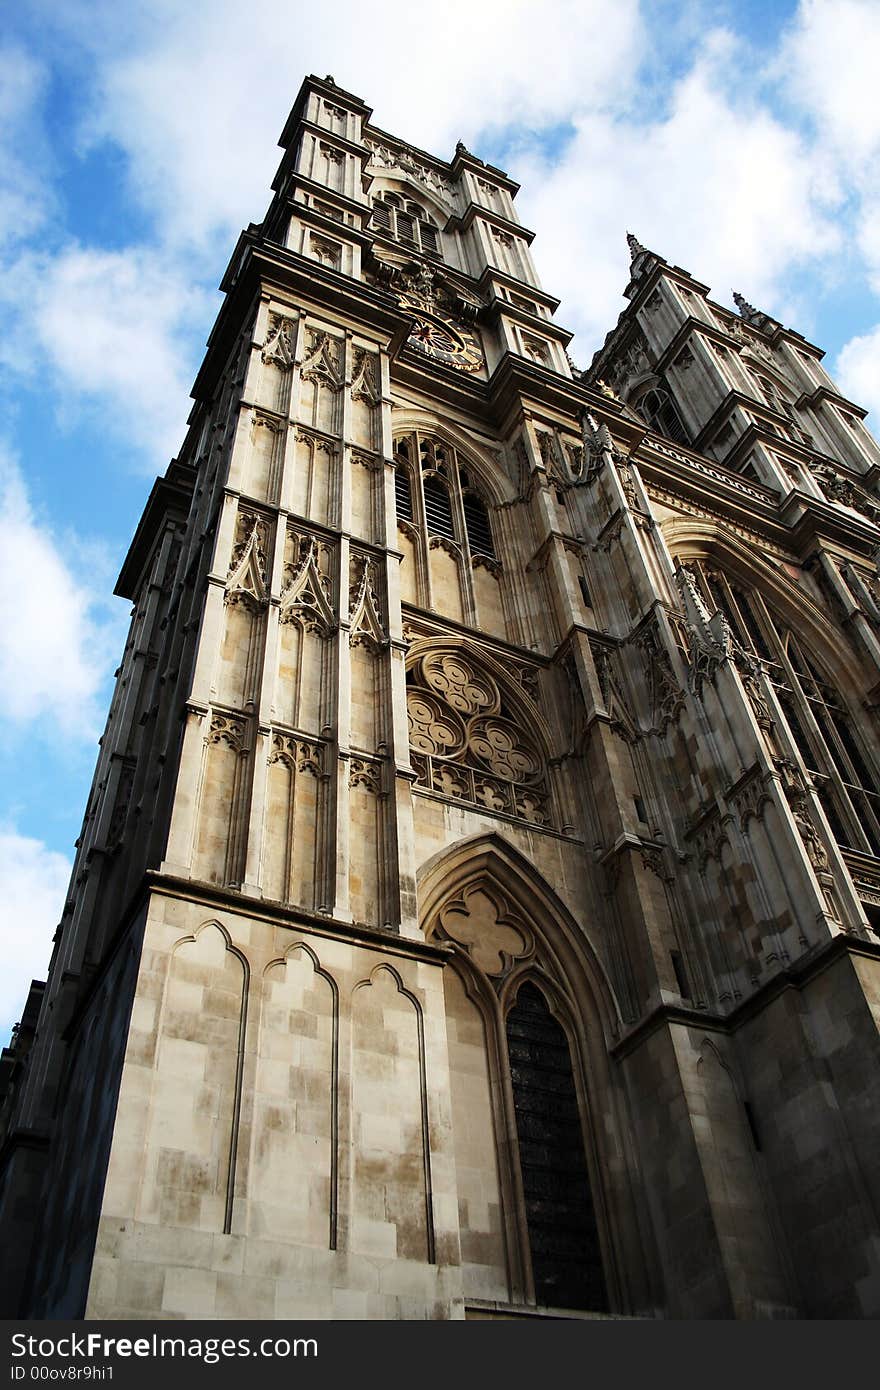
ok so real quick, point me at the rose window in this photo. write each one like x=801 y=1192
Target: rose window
x=465 y=746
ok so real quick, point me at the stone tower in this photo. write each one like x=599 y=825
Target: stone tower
x=475 y=907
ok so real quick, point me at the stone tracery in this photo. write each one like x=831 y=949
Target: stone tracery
x=467 y=744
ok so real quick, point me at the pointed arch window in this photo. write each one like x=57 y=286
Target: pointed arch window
x=560 y=1215
x=538 y=1157
x=403 y=492
x=659 y=413
x=406 y=221
x=476 y=519
x=442 y=490
x=780 y=402
x=821 y=726
x=438 y=508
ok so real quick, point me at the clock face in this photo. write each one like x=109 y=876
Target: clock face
x=445 y=342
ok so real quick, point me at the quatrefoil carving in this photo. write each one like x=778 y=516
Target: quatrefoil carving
x=486 y=930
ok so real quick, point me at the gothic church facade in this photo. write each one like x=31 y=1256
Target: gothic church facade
x=476 y=908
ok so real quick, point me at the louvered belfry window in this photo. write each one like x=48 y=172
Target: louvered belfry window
x=434 y=486
x=438 y=509
x=658 y=411
x=407 y=222
x=403 y=493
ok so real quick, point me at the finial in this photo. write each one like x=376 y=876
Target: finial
x=635 y=246
x=745 y=308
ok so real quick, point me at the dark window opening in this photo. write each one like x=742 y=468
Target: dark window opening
x=872 y=912
x=560 y=1215
x=438 y=509
x=681 y=978
x=407 y=222
x=753 y=1128
x=403 y=494
x=657 y=409
x=476 y=522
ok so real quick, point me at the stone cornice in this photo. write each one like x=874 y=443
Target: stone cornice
x=169 y=500
x=793 y=977
x=296 y=919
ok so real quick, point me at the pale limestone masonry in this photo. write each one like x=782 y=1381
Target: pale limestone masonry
x=476 y=905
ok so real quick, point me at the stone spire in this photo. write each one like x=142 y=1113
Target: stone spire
x=746 y=309
x=642 y=261
x=755 y=317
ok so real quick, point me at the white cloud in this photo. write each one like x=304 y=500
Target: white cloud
x=34 y=882
x=55 y=646
x=828 y=64
x=829 y=61
x=857 y=372
x=198 y=106
x=25 y=194
x=119 y=331
x=717 y=185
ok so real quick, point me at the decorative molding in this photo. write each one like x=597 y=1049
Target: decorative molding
x=299 y=754
x=710 y=640
x=306 y=597
x=465 y=745
x=278 y=347
x=327 y=252
x=653 y=856
x=262 y=419
x=597 y=444
x=248 y=580
x=366 y=773
x=383 y=157
x=766 y=496
x=623 y=721
x=707 y=837
x=444 y=543
x=367 y=627
x=797 y=796
x=364 y=386
x=231 y=729
x=372 y=462
x=487 y=562
x=121 y=803
x=838 y=488
x=665 y=693
x=321 y=362
x=748 y=797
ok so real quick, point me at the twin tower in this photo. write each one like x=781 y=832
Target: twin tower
x=476 y=907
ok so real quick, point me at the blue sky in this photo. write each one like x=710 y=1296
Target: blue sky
x=740 y=140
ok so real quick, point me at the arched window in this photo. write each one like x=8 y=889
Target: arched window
x=438 y=509
x=560 y=1215
x=658 y=411
x=451 y=502
x=530 y=1096
x=820 y=724
x=403 y=492
x=779 y=401
x=406 y=222
x=476 y=520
